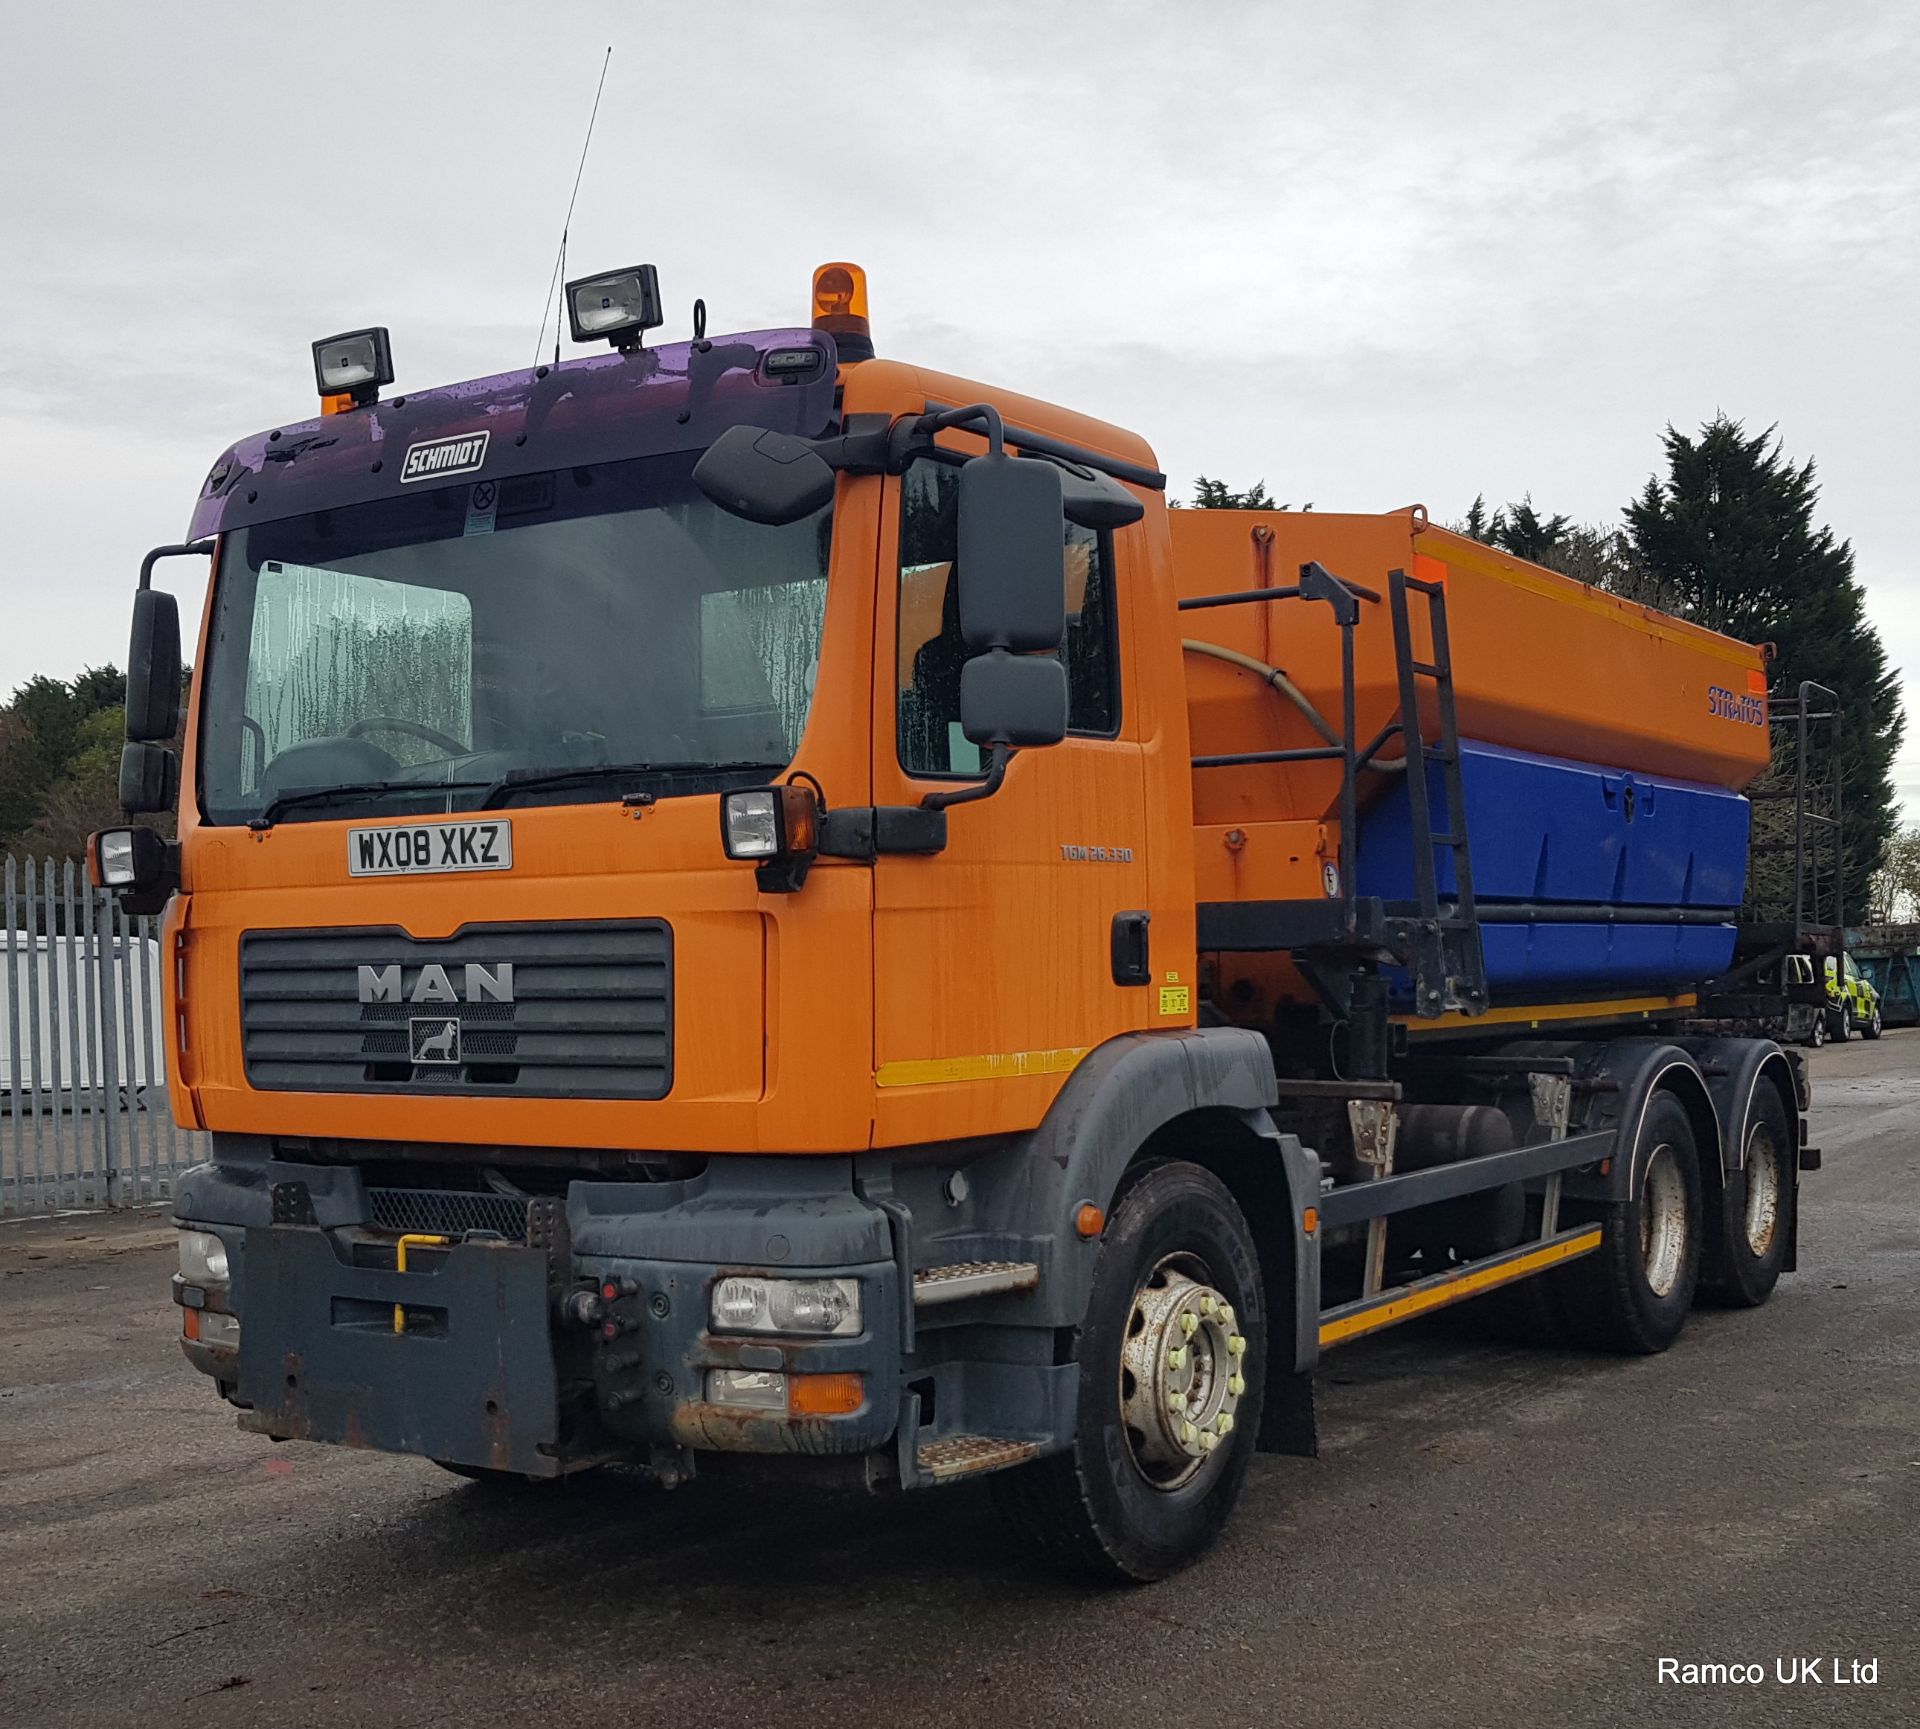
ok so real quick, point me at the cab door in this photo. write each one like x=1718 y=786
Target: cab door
x=1000 y=961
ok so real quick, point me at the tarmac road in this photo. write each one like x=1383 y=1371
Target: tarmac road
x=1492 y=1535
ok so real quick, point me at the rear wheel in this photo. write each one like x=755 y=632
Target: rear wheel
x=1817 y=1033
x=1755 y=1208
x=1870 y=1027
x=1634 y=1292
x=1172 y=1360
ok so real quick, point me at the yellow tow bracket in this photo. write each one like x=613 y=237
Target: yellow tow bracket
x=400 y=1266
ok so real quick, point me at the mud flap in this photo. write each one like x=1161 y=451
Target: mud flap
x=469 y=1380
x=1287 y=1422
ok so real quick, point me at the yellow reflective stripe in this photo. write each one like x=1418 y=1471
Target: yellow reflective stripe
x=1468 y=1283
x=1000 y=1066
x=1539 y=1014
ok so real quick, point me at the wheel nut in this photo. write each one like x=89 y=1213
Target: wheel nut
x=1208 y=1442
x=1237 y=1346
x=1225 y=1316
x=1177 y=1357
x=1176 y=1401
x=1236 y=1385
x=1187 y=1432
x=1207 y=1305
x=1225 y=1424
x=1189 y=1324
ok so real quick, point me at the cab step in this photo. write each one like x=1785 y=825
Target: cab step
x=967 y=1455
x=972 y=1279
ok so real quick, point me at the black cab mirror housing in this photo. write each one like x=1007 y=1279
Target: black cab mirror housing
x=149 y=777
x=153 y=666
x=1094 y=500
x=764 y=476
x=1012 y=565
x=1015 y=700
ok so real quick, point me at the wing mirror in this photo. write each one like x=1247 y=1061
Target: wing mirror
x=1012 y=573
x=1013 y=700
x=153 y=666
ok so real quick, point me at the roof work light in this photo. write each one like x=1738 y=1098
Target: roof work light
x=620 y=305
x=840 y=308
x=350 y=368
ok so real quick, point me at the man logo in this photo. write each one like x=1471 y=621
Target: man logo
x=442 y=458
x=434 y=1039
x=433 y=984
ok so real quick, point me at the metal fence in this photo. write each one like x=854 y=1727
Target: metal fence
x=84 y=1086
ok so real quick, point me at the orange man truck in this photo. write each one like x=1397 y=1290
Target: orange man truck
x=744 y=899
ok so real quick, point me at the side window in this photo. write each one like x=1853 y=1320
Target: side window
x=931 y=652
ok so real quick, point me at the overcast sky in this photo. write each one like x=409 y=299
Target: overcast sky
x=1371 y=253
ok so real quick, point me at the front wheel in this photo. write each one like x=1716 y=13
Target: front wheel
x=1172 y=1362
x=1843 y=1028
x=1871 y=1028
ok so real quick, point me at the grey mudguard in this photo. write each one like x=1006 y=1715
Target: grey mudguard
x=1619 y=1077
x=1122 y=1094
x=1734 y=1071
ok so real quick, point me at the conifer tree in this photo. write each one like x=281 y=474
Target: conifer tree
x=1729 y=534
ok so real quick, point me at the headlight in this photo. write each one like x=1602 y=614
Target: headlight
x=770 y=822
x=819 y=1307
x=203 y=1258
x=751 y=823
x=116 y=858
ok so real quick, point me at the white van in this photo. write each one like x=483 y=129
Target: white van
x=50 y=991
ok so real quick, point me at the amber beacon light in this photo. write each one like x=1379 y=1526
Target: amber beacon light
x=840 y=307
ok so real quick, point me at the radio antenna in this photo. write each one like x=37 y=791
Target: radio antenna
x=566 y=223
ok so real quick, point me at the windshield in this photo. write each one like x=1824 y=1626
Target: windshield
x=427 y=652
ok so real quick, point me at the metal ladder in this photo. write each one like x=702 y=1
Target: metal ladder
x=1448 y=966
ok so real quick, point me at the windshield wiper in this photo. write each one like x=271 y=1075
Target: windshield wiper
x=355 y=789
x=518 y=780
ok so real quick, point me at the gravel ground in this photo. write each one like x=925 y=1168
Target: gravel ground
x=1492 y=1535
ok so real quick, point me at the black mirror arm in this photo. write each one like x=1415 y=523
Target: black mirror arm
x=982 y=415
x=996 y=774
x=186 y=549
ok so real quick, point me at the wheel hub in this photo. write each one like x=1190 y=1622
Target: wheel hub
x=1663 y=1221
x=1763 y=1189
x=1180 y=1381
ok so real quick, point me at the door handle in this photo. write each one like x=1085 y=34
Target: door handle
x=1132 y=964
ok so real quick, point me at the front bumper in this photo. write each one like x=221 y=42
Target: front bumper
x=501 y=1353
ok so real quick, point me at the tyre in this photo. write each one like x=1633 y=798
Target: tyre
x=1753 y=1216
x=1843 y=1023
x=1634 y=1292
x=1172 y=1363
x=1817 y=1033
x=1870 y=1027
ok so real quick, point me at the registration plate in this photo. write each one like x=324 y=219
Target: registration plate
x=419 y=849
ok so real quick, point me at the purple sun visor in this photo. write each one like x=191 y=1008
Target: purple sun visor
x=603 y=408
